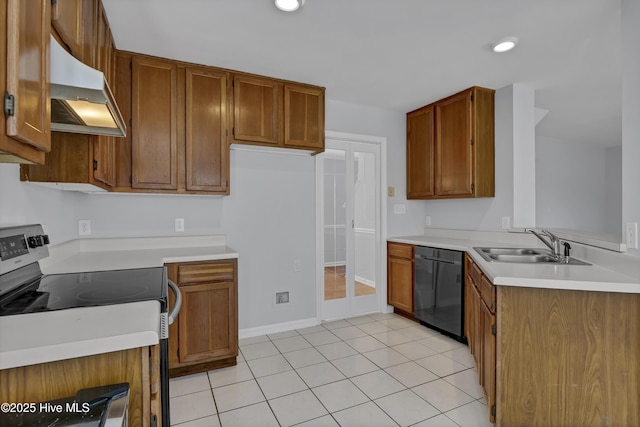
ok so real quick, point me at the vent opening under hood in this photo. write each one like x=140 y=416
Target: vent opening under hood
x=81 y=100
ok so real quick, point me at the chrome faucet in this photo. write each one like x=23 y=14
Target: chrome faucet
x=553 y=243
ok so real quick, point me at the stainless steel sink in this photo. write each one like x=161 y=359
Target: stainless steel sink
x=525 y=256
x=510 y=251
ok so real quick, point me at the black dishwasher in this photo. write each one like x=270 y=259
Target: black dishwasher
x=439 y=290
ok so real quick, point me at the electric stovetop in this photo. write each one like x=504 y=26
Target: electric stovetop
x=89 y=289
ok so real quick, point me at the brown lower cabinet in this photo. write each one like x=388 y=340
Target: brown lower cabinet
x=400 y=276
x=554 y=357
x=205 y=334
x=56 y=380
x=480 y=328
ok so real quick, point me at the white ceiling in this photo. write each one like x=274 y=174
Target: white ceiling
x=402 y=54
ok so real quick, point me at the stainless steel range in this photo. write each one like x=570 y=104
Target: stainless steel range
x=25 y=291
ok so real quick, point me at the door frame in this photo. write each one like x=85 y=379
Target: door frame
x=381 y=266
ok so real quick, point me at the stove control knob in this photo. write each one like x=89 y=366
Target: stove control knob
x=39 y=240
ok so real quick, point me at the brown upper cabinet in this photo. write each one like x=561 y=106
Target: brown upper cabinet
x=277 y=113
x=179 y=126
x=77 y=158
x=67 y=19
x=450 y=147
x=24 y=80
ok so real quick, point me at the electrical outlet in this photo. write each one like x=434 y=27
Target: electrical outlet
x=84 y=227
x=179 y=227
x=427 y=220
x=296 y=265
x=506 y=222
x=399 y=209
x=282 y=297
x=632 y=235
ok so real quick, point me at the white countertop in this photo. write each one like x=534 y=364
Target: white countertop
x=56 y=335
x=123 y=253
x=572 y=277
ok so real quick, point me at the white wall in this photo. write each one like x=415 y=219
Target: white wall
x=269 y=218
x=630 y=112
x=613 y=191
x=485 y=213
x=576 y=186
x=22 y=203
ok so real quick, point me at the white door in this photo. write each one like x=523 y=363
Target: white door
x=349 y=200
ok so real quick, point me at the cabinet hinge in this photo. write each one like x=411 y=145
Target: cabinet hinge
x=473 y=187
x=471 y=141
x=233 y=132
x=95 y=165
x=54 y=3
x=130 y=180
x=494 y=329
x=130 y=121
x=9 y=104
x=493 y=410
x=471 y=98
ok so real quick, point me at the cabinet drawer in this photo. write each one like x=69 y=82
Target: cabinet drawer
x=206 y=272
x=400 y=250
x=488 y=293
x=474 y=271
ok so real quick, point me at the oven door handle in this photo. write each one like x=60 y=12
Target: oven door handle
x=178 y=303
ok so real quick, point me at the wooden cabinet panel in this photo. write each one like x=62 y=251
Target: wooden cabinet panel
x=568 y=358
x=28 y=29
x=420 y=153
x=221 y=271
x=256 y=107
x=205 y=333
x=488 y=358
x=207 y=150
x=400 y=276
x=454 y=161
x=60 y=379
x=89 y=32
x=207 y=330
x=154 y=139
x=303 y=116
x=67 y=19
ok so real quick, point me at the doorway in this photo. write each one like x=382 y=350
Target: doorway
x=348 y=175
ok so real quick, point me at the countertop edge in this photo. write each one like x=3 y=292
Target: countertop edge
x=625 y=284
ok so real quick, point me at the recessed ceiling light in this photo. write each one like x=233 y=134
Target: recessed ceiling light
x=289 y=5
x=504 y=44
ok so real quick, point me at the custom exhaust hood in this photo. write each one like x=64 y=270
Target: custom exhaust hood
x=81 y=100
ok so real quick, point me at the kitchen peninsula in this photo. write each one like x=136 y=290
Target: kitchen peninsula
x=562 y=346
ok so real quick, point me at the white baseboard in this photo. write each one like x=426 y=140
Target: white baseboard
x=277 y=327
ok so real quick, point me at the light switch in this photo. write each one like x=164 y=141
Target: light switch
x=391 y=191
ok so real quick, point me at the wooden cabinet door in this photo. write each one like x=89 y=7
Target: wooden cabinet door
x=67 y=19
x=420 y=153
x=488 y=359
x=154 y=134
x=206 y=327
x=89 y=31
x=477 y=331
x=454 y=151
x=104 y=150
x=469 y=313
x=400 y=276
x=256 y=110
x=28 y=29
x=207 y=149
x=303 y=117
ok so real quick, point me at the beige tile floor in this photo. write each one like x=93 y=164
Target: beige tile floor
x=376 y=370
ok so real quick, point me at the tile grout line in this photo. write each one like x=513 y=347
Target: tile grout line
x=296 y=334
